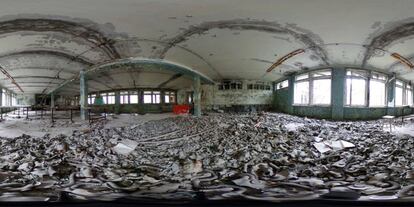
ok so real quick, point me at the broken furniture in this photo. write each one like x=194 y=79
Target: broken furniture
x=389 y=119
x=96 y=114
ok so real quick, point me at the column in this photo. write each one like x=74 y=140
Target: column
x=197 y=95
x=337 y=93
x=52 y=100
x=1 y=96
x=83 y=95
x=291 y=93
x=117 y=102
x=390 y=96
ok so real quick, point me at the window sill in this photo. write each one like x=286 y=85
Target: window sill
x=313 y=105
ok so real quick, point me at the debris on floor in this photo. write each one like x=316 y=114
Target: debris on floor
x=264 y=156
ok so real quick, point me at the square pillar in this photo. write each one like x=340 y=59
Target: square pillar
x=197 y=95
x=391 y=95
x=337 y=93
x=83 y=95
x=52 y=100
x=117 y=102
x=1 y=96
x=291 y=92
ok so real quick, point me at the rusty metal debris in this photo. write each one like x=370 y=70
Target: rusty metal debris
x=264 y=156
x=284 y=58
x=403 y=60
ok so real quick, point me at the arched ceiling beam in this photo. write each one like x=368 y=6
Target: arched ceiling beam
x=54 y=25
x=61 y=70
x=48 y=52
x=34 y=77
x=304 y=36
x=387 y=37
x=138 y=64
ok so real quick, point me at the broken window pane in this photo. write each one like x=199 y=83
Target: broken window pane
x=283 y=84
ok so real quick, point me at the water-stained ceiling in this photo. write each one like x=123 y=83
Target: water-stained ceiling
x=46 y=42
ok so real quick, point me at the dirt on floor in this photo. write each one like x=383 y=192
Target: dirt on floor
x=261 y=156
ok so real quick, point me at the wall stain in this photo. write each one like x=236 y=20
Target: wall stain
x=389 y=34
x=307 y=38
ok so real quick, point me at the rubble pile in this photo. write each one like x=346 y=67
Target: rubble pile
x=265 y=156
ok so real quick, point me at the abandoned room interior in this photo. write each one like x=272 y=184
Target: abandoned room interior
x=219 y=100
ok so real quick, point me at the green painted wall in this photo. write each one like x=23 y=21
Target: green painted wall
x=313 y=111
x=281 y=100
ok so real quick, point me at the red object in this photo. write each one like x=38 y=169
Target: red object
x=181 y=109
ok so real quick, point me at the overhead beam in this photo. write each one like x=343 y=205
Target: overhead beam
x=174 y=77
x=67 y=56
x=33 y=77
x=140 y=64
x=75 y=29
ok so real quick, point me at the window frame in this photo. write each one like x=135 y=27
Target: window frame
x=310 y=78
x=375 y=76
x=366 y=77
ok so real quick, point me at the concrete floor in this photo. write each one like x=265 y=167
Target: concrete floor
x=12 y=126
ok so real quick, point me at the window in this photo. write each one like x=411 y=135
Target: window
x=91 y=99
x=377 y=88
x=124 y=97
x=109 y=98
x=147 y=97
x=133 y=97
x=356 y=87
x=409 y=95
x=321 y=91
x=230 y=85
x=259 y=86
x=313 y=88
x=283 y=84
x=301 y=93
x=399 y=86
x=156 y=97
x=153 y=97
x=169 y=97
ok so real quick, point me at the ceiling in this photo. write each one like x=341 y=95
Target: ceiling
x=43 y=43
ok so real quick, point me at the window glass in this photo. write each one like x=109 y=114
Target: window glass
x=398 y=96
x=156 y=97
x=302 y=77
x=355 y=92
x=312 y=88
x=301 y=95
x=169 y=97
x=283 y=84
x=321 y=73
x=111 y=98
x=376 y=93
x=147 y=97
x=321 y=91
x=409 y=95
x=123 y=97
x=133 y=97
